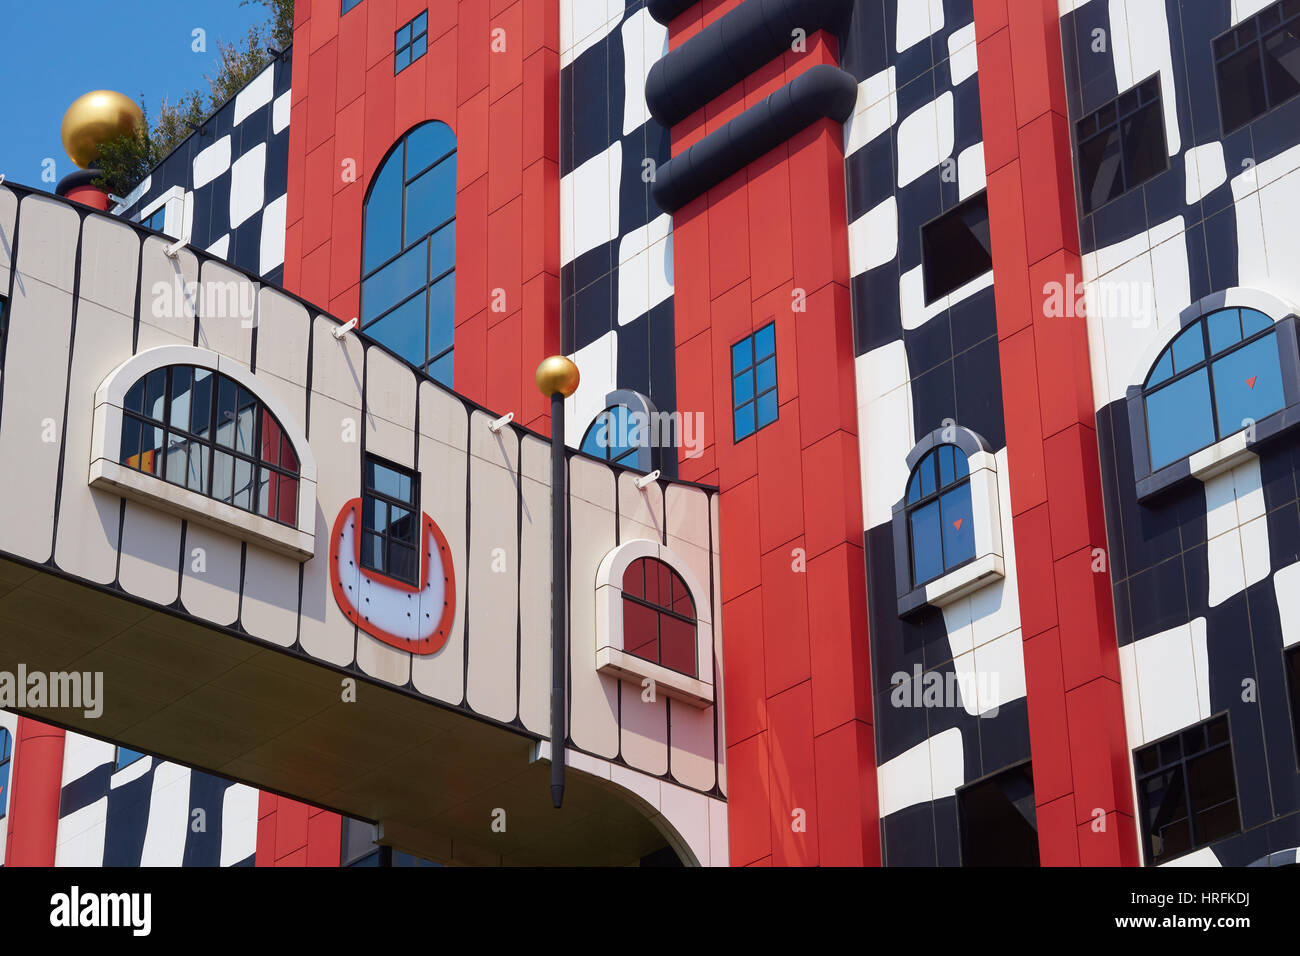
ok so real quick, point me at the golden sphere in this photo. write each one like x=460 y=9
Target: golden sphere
x=557 y=374
x=95 y=118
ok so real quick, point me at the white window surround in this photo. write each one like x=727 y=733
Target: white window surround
x=613 y=660
x=108 y=473
x=988 y=565
x=174 y=200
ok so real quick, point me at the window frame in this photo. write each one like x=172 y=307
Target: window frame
x=108 y=474
x=925 y=500
x=611 y=659
x=754 y=363
x=413 y=510
x=980 y=197
x=1116 y=123
x=1140 y=776
x=987 y=566
x=366 y=322
x=6 y=769
x=211 y=445
x=1291 y=668
x=399 y=49
x=662 y=610
x=1254 y=21
x=644 y=456
x=1233 y=448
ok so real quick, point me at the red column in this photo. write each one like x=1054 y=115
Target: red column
x=290 y=833
x=1076 y=717
x=770 y=244
x=35 y=783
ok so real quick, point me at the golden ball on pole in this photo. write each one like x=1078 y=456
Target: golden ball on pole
x=557 y=374
x=93 y=119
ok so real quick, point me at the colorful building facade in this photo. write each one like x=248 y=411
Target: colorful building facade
x=931 y=488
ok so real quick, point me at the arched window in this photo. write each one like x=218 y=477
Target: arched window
x=941 y=529
x=408 y=260
x=6 y=760
x=204 y=431
x=947 y=527
x=1219 y=374
x=659 y=616
x=613 y=436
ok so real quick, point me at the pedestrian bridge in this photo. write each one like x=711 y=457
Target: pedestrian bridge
x=300 y=564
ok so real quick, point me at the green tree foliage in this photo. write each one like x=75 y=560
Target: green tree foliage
x=127 y=159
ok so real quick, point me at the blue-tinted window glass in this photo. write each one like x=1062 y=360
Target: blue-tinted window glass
x=1225 y=329
x=742 y=354
x=946 y=475
x=6 y=753
x=753 y=382
x=1163 y=369
x=745 y=421
x=395 y=282
x=926 y=472
x=430 y=200
x=442 y=315
x=613 y=435
x=410 y=200
x=427 y=144
x=1188 y=348
x=1179 y=419
x=410 y=42
x=958 y=526
x=350 y=4
x=442 y=251
x=126 y=757
x=927 y=543
x=384 y=214
x=914 y=489
x=1254 y=321
x=1248 y=384
x=402 y=330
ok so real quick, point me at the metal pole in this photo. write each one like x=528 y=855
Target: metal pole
x=559 y=597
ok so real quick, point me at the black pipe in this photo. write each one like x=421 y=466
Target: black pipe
x=559 y=597
x=665 y=10
x=820 y=92
x=731 y=48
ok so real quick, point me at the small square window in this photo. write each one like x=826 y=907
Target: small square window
x=753 y=382
x=390 y=521
x=998 y=821
x=1188 y=790
x=1121 y=145
x=1257 y=64
x=956 y=248
x=410 y=42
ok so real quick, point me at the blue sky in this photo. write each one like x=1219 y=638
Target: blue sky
x=55 y=50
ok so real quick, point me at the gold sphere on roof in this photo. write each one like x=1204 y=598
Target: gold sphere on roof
x=557 y=374
x=95 y=118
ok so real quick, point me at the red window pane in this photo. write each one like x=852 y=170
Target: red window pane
x=288 y=460
x=681 y=598
x=640 y=630
x=270 y=438
x=287 y=509
x=677 y=644
x=632 y=578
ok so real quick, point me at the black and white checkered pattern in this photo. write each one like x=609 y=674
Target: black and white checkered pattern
x=234 y=175
x=616 y=247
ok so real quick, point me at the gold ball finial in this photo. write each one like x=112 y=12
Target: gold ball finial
x=557 y=374
x=95 y=118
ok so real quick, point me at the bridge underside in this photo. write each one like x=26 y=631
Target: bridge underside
x=434 y=778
